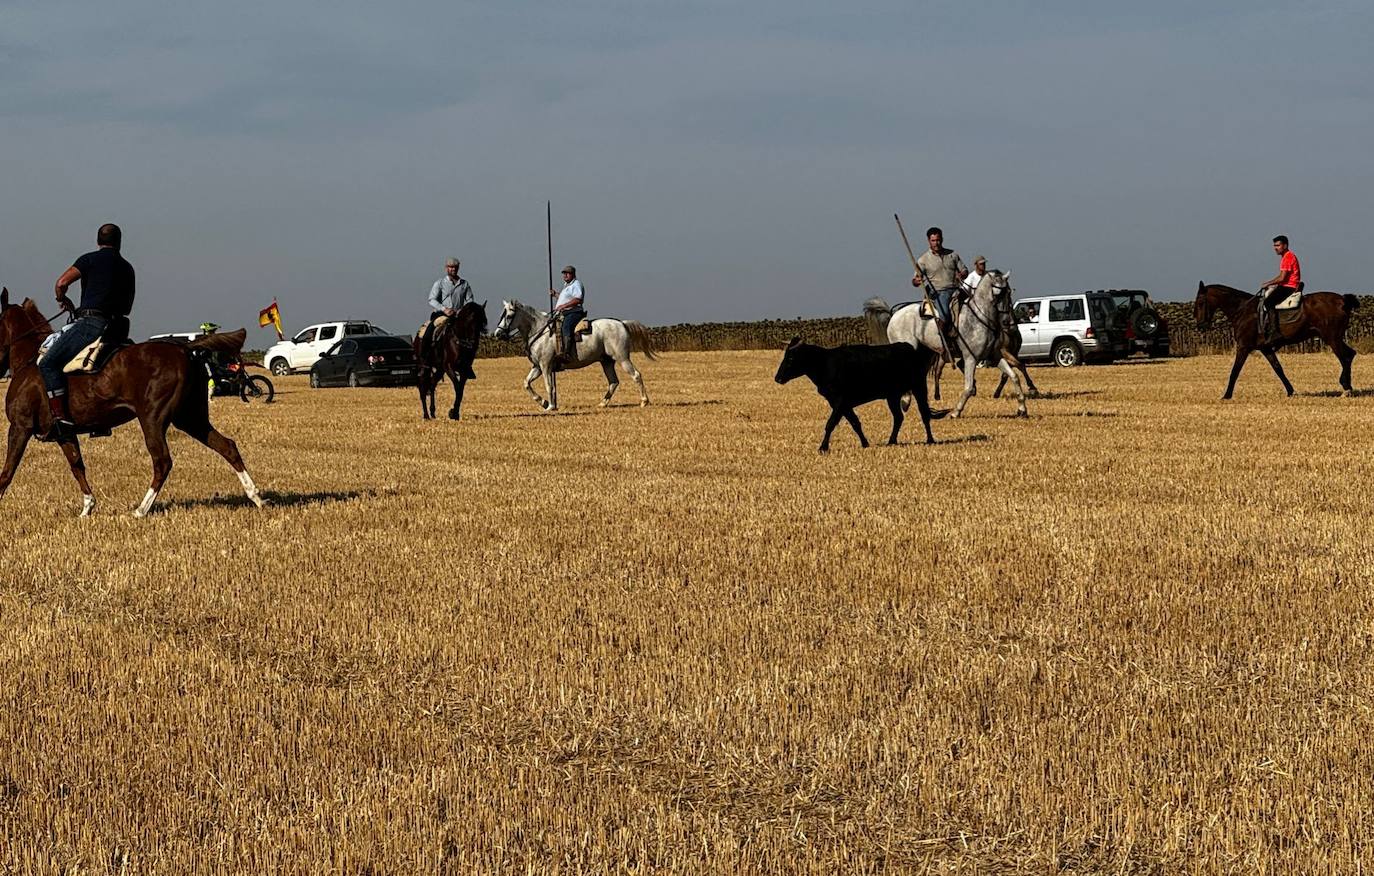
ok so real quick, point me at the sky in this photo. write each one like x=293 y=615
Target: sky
x=706 y=161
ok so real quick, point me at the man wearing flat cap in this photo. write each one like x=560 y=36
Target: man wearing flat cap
x=569 y=306
x=448 y=293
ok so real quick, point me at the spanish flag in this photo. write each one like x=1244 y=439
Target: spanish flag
x=271 y=315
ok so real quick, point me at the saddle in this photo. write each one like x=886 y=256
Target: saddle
x=97 y=353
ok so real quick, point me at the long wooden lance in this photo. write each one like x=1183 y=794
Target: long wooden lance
x=548 y=235
x=930 y=293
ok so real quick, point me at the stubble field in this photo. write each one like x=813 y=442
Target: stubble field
x=1131 y=634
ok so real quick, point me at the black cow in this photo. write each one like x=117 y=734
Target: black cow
x=857 y=373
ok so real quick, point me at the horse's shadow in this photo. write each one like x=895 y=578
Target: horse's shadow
x=1337 y=393
x=595 y=412
x=1053 y=395
x=977 y=438
x=273 y=498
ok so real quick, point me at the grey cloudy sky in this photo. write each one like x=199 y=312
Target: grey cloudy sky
x=706 y=160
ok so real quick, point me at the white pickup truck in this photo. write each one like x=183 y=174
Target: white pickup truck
x=303 y=350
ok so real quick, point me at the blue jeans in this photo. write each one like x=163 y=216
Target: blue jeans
x=942 y=299
x=570 y=320
x=65 y=348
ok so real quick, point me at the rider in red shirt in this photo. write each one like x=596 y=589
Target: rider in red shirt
x=1287 y=281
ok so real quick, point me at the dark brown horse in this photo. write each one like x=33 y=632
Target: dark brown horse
x=451 y=353
x=1324 y=315
x=159 y=384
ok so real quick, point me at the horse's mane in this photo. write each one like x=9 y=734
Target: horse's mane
x=36 y=319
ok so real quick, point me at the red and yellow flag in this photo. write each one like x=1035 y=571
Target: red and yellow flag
x=271 y=315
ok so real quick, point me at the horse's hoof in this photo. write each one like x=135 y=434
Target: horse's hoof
x=453 y=415
x=1022 y=415
x=139 y=513
x=605 y=404
x=644 y=404
x=1349 y=393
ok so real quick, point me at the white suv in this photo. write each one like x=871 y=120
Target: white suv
x=302 y=351
x=1067 y=329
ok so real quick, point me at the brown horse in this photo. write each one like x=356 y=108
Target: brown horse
x=157 y=383
x=451 y=353
x=1324 y=315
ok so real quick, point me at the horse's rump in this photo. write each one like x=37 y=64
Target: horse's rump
x=221 y=342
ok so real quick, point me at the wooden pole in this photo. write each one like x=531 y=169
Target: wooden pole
x=911 y=255
x=548 y=230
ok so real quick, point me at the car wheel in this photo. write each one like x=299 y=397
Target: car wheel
x=1067 y=354
x=315 y=380
x=1145 y=322
x=353 y=379
x=280 y=368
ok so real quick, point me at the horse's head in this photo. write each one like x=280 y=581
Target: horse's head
x=5 y=331
x=1203 y=308
x=792 y=365
x=505 y=326
x=473 y=316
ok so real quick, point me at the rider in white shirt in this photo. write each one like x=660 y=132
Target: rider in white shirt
x=569 y=305
x=980 y=267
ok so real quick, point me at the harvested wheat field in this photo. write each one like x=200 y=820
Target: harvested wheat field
x=1132 y=634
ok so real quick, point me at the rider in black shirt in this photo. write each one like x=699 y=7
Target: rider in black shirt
x=107 y=295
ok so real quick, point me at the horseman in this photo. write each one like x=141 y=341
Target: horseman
x=107 y=299
x=568 y=306
x=448 y=293
x=943 y=270
x=1287 y=282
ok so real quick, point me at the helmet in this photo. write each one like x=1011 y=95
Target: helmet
x=209 y=328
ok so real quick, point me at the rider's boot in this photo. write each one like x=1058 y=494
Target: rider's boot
x=62 y=429
x=1271 y=324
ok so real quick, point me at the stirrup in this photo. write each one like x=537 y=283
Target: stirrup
x=61 y=431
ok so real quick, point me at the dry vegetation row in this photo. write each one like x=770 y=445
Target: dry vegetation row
x=1130 y=634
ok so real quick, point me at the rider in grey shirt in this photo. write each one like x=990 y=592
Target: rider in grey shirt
x=449 y=292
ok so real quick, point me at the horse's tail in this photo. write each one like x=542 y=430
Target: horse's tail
x=640 y=339
x=221 y=342
x=1351 y=302
x=877 y=314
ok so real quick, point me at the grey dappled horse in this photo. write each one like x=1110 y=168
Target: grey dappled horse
x=609 y=342
x=980 y=331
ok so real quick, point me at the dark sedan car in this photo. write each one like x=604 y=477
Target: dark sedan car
x=366 y=360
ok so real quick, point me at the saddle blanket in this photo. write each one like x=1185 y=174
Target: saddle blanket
x=88 y=361
x=1292 y=302
x=439 y=322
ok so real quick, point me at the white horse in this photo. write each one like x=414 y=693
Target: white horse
x=979 y=327
x=610 y=342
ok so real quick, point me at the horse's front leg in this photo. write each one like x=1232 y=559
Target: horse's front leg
x=420 y=388
x=529 y=385
x=458 y=384
x=1009 y=373
x=551 y=387
x=970 y=385
x=1242 y=353
x=18 y=440
x=1273 y=361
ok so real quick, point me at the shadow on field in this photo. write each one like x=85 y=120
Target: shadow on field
x=1051 y=395
x=595 y=412
x=1337 y=393
x=273 y=498
x=964 y=439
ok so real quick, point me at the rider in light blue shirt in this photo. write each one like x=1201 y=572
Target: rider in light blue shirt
x=569 y=305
